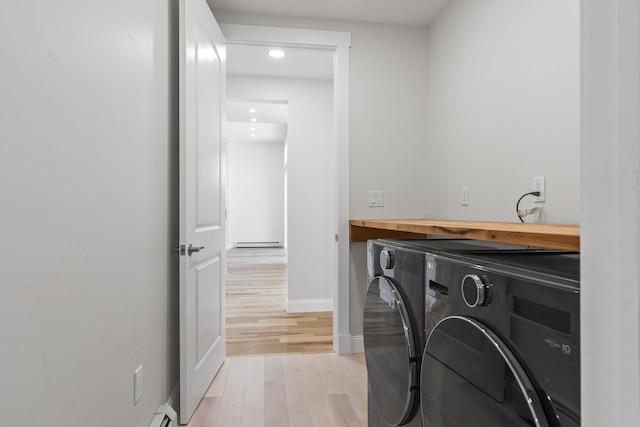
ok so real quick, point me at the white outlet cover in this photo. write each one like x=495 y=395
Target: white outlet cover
x=137 y=384
x=540 y=184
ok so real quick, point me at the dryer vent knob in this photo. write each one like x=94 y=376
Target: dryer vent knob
x=474 y=290
x=387 y=260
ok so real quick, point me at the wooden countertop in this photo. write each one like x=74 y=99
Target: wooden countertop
x=555 y=236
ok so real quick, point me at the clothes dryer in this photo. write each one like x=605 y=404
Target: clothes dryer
x=504 y=342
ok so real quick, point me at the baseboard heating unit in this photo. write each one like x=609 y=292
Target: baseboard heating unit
x=165 y=417
x=258 y=245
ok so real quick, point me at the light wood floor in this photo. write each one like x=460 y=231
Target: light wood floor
x=321 y=390
x=262 y=383
x=256 y=317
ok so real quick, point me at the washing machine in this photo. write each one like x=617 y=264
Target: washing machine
x=503 y=345
x=393 y=337
x=394 y=324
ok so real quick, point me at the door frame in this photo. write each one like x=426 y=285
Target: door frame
x=339 y=42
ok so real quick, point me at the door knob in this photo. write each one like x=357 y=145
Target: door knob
x=191 y=249
x=188 y=250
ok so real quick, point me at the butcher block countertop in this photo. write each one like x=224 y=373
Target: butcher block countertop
x=555 y=236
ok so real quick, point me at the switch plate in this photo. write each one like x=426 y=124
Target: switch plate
x=464 y=195
x=137 y=384
x=540 y=184
x=376 y=199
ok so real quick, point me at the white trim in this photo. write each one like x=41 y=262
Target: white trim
x=344 y=342
x=341 y=176
x=309 y=305
x=357 y=344
x=339 y=42
x=255 y=34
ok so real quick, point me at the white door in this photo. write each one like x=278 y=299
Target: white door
x=202 y=203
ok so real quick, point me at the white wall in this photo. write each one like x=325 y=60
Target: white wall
x=256 y=191
x=309 y=178
x=503 y=96
x=87 y=161
x=460 y=103
x=610 y=233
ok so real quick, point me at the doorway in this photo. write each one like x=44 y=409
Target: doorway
x=286 y=105
x=256 y=131
x=338 y=43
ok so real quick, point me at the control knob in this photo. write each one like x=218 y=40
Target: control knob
x=387 y=260
x=474 y=290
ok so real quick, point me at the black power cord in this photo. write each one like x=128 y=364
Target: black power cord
x=533 y=193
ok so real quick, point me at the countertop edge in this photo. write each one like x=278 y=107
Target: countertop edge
x=554 y=236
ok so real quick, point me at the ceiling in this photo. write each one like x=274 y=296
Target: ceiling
x=256 y=120
x=270 y=115
x=403 y=12
x=245 y=60
x=254 y=60
x=256 y=111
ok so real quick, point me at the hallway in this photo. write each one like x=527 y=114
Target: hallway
x=256 y=319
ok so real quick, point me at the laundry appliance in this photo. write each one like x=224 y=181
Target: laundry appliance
x=504 y=342
x=394 y=324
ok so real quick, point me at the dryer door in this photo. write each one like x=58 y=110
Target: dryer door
x=470 y=378
x=390 y=352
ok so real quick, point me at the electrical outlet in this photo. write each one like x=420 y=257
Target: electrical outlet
x=539 y=184
x=137 y=384
x=464 y=195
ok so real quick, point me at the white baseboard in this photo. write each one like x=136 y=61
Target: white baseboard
x=357 y=344
x=343 y=344
x=166 y=414
x=173 y=399
x=309 y=305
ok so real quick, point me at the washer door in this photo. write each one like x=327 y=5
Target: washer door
x=390 y=352
x=470 y=378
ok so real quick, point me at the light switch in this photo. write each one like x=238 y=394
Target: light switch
x=376 y=199
x=464 y=193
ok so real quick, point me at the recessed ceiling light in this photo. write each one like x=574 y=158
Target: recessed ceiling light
x=253 y=119
x=276 y=53
x=252 y=129
x=252 y=110
x=253 y=135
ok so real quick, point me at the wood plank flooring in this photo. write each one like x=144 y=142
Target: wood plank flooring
x=322 y=390
x=256 y=319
